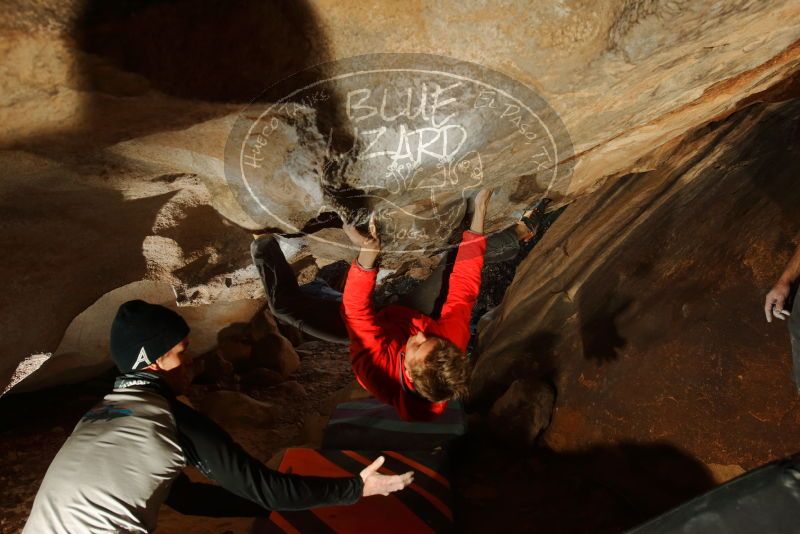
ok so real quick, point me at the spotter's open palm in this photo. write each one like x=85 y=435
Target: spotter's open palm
x=378 y=484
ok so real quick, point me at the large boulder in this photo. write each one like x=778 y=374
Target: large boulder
x=236 y=352
x=524 y=410
x=270 y=348
x=214 y=369
x=644 y=301
x=84 y=351
x=114 y=137
x=276 y=352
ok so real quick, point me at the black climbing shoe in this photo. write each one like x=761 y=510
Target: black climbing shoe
x=532 y=217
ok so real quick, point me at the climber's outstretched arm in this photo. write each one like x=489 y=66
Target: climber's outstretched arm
x=465 y=280
x=373 y=368
x=369 y=244
x=359 y=313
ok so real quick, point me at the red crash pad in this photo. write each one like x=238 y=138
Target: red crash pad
x=423 y=507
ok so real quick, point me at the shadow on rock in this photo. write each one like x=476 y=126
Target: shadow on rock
x=530 y=357
x=602 y=341
x=602 y=489
x=210 y=57
x=206 y=50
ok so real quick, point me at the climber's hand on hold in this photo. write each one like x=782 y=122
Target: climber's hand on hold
x=378 y=484
x=481 y=205
x=369 y=244
x=775 y=300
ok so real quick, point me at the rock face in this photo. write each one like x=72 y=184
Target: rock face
x=522 y=412
x=644 y=301
x=258 y=344
x=116 y=119
x=83 y=351
x=276 y=352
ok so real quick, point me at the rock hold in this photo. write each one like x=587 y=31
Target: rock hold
x=523 y=412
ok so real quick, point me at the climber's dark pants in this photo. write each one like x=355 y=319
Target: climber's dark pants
x=794 y=333
x=314 y=308
x=311 y=308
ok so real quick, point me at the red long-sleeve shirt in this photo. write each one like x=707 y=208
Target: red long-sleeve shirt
x=378 y=339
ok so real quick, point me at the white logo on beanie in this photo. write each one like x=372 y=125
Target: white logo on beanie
x=142 y=358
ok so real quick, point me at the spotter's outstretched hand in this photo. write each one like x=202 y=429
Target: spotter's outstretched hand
x=378 y=484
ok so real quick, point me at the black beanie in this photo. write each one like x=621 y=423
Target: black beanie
x=142 y=332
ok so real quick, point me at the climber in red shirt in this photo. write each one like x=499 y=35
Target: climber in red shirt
x=410 y=355
x=402 y=356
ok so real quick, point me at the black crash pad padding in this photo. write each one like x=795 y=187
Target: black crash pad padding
x=368 y=424
x=763 y=501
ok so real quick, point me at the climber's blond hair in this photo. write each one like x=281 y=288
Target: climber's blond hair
x=444 y=374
